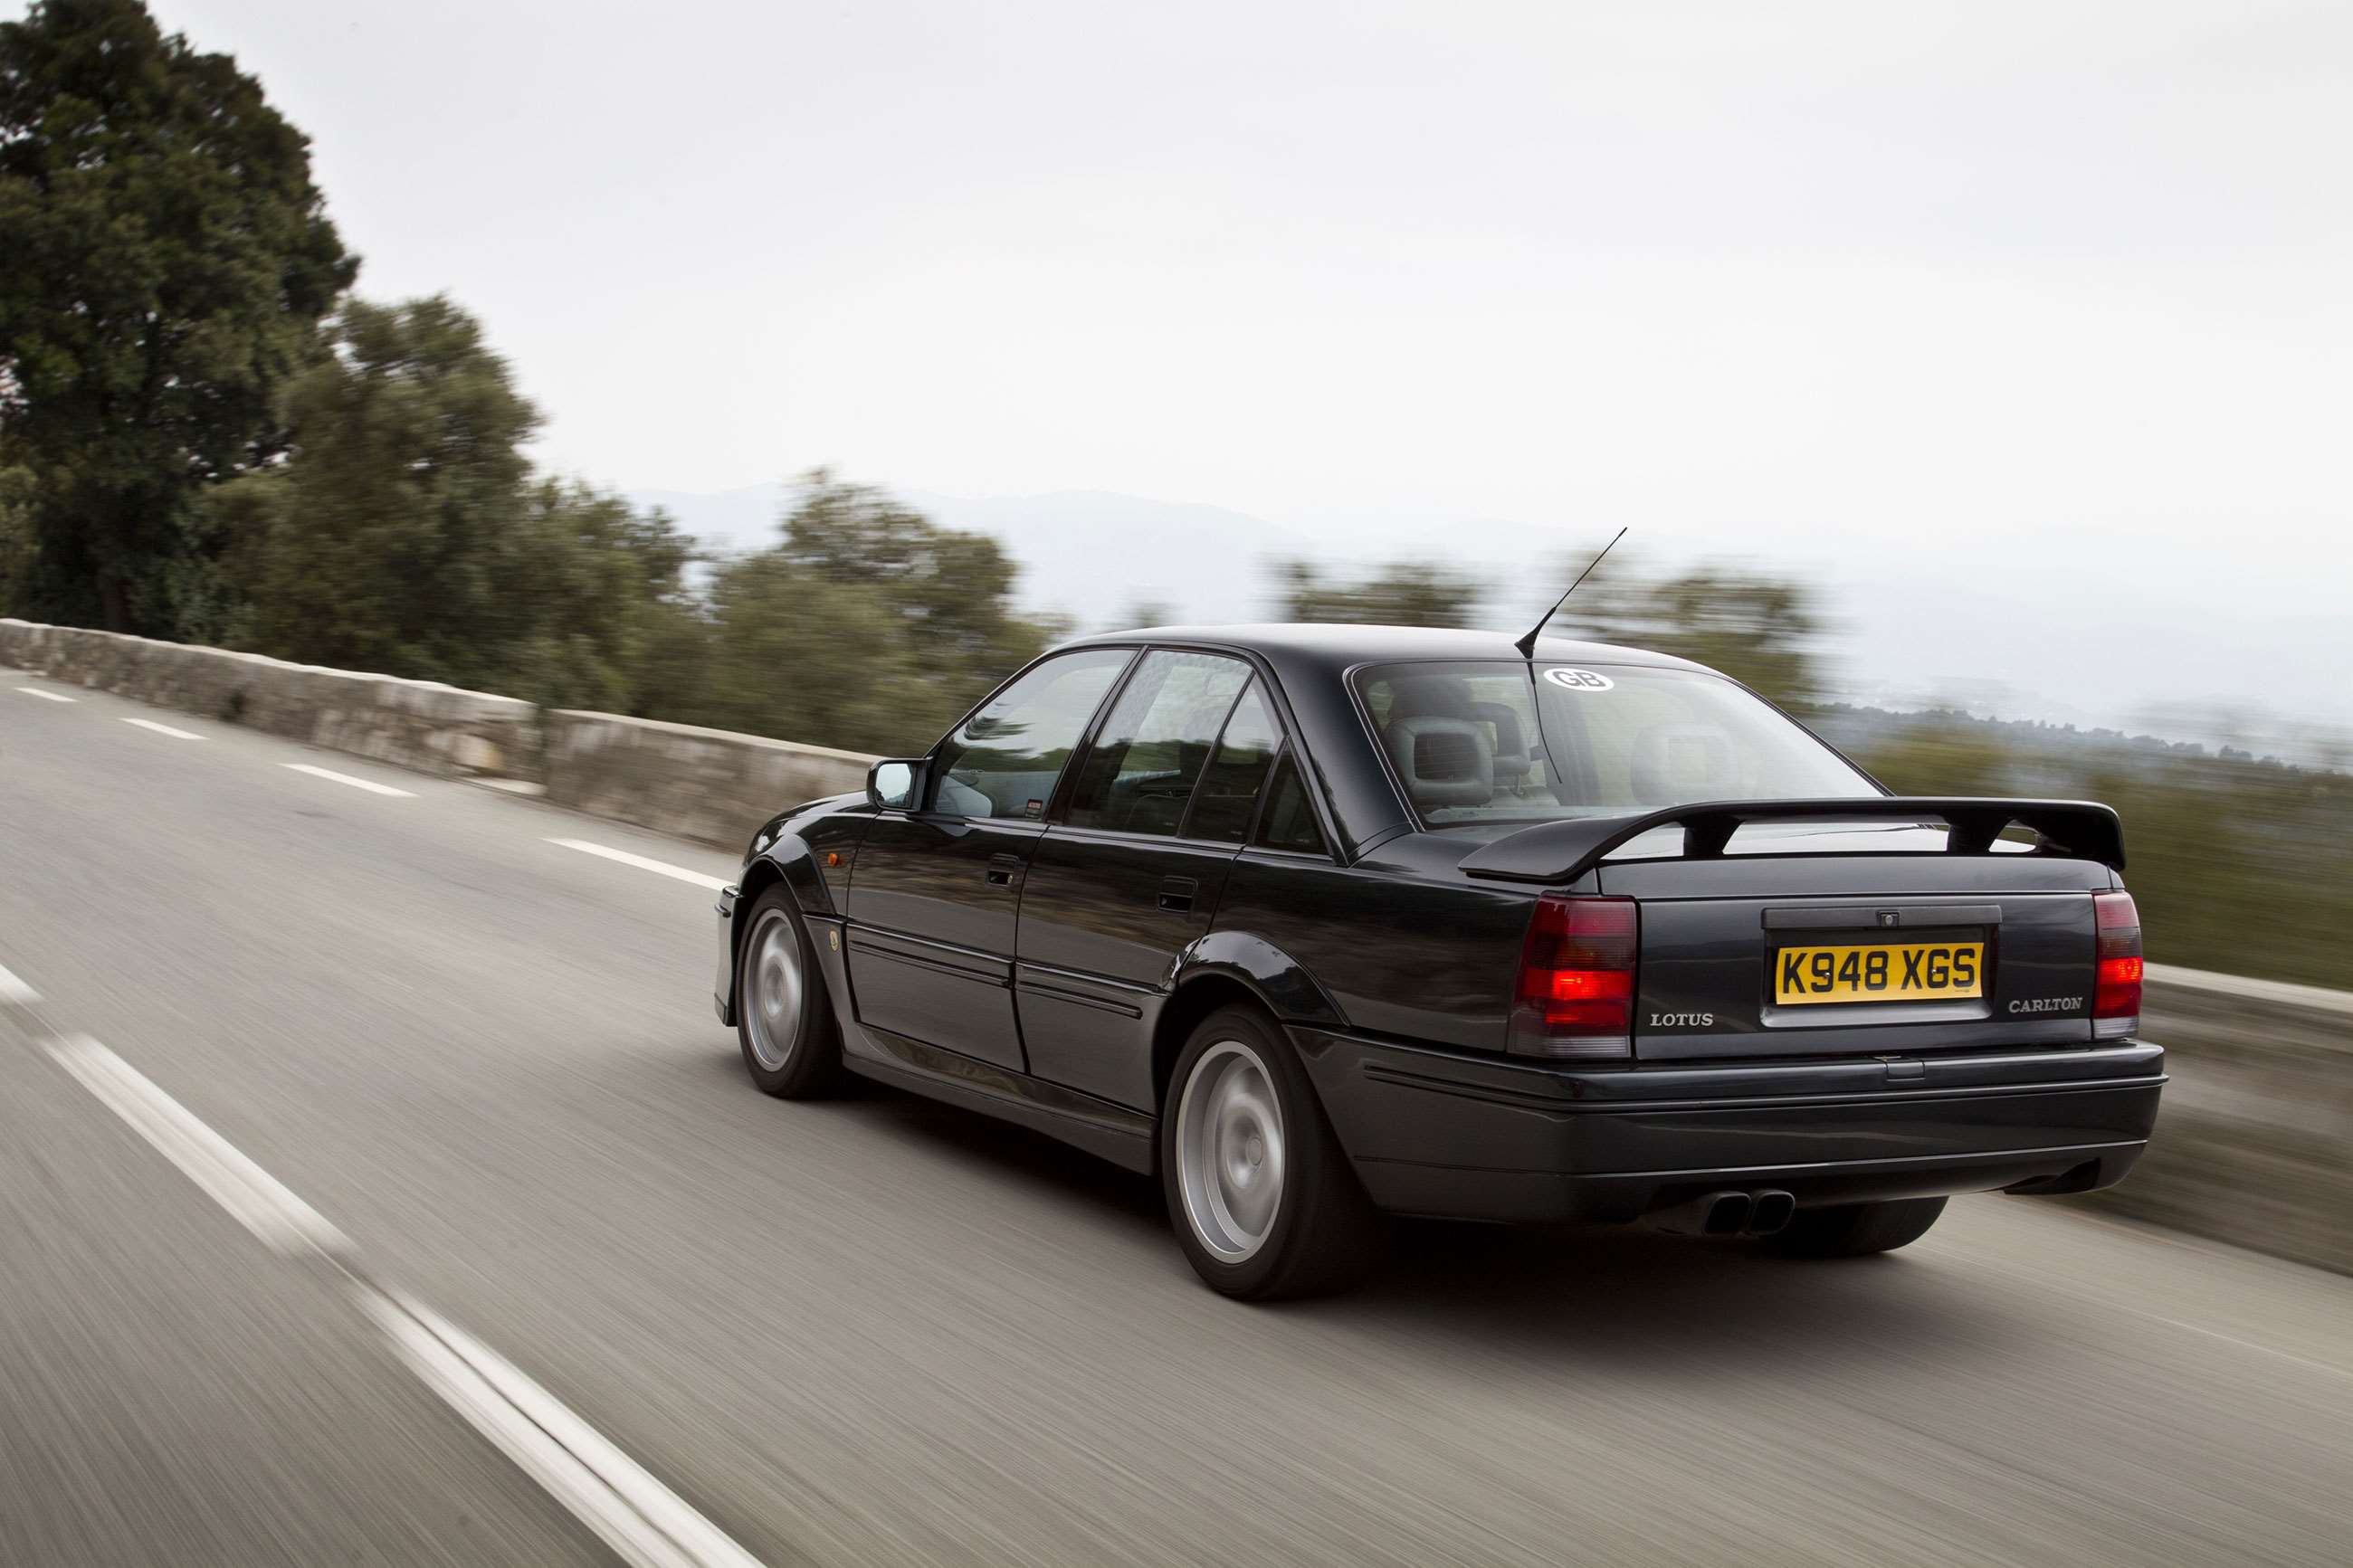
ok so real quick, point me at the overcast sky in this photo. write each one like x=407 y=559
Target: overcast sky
x=2026 y=323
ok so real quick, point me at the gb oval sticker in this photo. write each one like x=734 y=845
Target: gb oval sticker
x=1578 y=680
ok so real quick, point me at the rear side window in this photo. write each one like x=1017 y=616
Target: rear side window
x=1230 y=785
x=1004 y=759
x=1290 y=820
x=1139 y=775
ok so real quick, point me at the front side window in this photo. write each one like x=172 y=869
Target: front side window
x=1140 y=772
x=1504 y=741
x=1004 y=759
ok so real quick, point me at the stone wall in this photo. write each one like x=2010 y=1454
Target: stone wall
x=2255 y=1141
x=714 y=786
x=419 y=725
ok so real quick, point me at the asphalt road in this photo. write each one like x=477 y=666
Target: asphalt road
x=878 y=1331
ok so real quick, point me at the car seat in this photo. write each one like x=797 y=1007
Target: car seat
x=1445 y=763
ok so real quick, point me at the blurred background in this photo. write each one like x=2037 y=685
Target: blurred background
x=1971 y=377
x=1970 y=381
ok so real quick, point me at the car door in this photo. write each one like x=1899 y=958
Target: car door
x=1130 y=873
x=934 y=891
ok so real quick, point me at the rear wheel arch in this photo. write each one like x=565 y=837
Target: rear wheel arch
x=1195 y=998
x=1224 y=969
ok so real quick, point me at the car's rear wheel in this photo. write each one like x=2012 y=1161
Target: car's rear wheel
x=784 y=1018
x=1263 y=1197
x=1852 y=1230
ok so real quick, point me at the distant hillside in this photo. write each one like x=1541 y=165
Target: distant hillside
x=1857 y=729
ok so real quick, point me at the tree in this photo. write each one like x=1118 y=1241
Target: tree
x=168 y=259
x=403 y=532
x=953 y=589
x=16 y=553
x=828 y=664
x=867 y=627
x=1758 y=629
x=389 y=538
x=1402 y=594
x=596 y=594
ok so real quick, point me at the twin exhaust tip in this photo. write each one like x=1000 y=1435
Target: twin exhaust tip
x=1733 y=1213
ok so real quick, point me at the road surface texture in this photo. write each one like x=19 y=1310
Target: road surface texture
x=879 y=1331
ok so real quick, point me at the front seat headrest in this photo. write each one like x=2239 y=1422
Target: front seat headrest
x=1514 y=761
x=1443 y=762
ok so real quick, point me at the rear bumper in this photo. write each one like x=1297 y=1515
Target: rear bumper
x=1438 y=1133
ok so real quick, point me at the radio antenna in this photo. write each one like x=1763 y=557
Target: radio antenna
x=1527 y=645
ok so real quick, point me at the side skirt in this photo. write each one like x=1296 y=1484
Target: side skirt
x=1126 y=1138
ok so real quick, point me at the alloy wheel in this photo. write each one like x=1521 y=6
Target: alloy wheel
x=1230 y=1150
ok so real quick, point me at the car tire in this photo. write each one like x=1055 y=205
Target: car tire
x=784 y=1017
x=1239 y=1112
x=1854 y=1230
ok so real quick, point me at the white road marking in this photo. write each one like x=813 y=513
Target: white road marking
x=249 y=1192
x=14 y=989
x=631 y=1511
x=46 y=696
x=659 y=867
x=642 y=1519
x=165 y=730
x=2243 y=1344
x=368 y=784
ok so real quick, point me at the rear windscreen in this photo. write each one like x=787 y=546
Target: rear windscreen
x=1490 y=742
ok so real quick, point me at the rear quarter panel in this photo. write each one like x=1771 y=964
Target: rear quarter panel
x=1398 y=954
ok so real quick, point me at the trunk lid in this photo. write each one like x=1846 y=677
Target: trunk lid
x=1854 y=941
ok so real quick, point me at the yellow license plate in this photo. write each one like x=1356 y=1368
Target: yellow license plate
x=1879 y=971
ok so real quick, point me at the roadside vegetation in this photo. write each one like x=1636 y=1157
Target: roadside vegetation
x=205 y=436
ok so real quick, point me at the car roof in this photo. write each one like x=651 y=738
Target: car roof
x=1340 y=645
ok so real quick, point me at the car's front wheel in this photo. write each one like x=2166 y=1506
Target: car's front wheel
x=1261 y=1195
x=784 y=1018
x=1853 y=1230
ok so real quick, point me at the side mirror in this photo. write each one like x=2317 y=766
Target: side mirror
x=895 y=784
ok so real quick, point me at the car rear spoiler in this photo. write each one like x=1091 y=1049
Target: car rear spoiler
x=1564 y=851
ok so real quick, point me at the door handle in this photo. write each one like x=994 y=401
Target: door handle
x=1002 y=869
x=1177 y=893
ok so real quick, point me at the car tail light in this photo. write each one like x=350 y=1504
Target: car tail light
x=2115 y=994
x=1576 y=996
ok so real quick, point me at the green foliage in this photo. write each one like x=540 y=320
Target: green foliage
x=1758 y=629
x=1402 y=594
x=167 y=261
x=393 y=537
x=597 y=592
x=868 y=627
x=952 y=590
x=16 y=548
x=403 y=533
